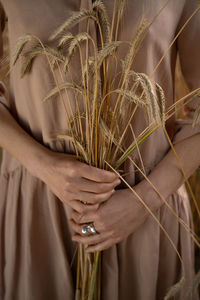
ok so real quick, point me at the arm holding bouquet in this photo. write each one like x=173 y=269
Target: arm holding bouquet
x=103 y=100
x=122 y=214
x=75 y=183
x=69 y=179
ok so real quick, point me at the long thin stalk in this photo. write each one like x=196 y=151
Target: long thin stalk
x=129 y=151
x=94 y=276
x=149 y=211
x=85 y=277
x=183 y=172
x=88 y=283
x=144 y=135
x=178 y=34
x=60 y=94
x=187 y=228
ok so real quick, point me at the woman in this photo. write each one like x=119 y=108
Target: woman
x=43 y=187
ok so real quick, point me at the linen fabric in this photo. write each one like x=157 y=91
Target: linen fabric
x=36 y=250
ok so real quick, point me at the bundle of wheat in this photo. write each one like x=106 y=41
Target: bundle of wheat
x=103 y=95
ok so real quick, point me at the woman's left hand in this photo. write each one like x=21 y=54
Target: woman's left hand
x=114 y=220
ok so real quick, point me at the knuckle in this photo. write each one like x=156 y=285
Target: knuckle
x=73 y=171
x=67 y=186
x=78 y=218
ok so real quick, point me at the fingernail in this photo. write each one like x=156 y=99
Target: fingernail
x=113 y=191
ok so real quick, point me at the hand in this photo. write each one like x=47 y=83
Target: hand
x=75 y=183
x=114 y=220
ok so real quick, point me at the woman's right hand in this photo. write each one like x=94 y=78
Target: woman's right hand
x=73 y=182
x=76 y=184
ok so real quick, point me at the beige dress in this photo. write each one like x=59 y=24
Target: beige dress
x=36 y=250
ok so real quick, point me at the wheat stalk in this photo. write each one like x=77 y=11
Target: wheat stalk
x=99 y=7
x=63 y=86
x=196 y=120
x=75 y=19
x=22 y=41
x=103 y=124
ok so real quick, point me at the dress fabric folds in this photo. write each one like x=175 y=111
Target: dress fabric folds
x=36 y=250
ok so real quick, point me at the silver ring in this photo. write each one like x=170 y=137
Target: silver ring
x=88 y=229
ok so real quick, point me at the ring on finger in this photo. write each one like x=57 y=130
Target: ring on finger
x=88 y=229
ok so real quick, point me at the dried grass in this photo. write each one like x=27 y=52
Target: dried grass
x=63 y=86
x=98 y=132
x=174 y=290
x=75 y=19
x=22 y=41
x=99 y=7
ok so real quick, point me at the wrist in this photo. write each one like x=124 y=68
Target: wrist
x=149 y=195
x=38 y=163
x=44 y=162
x=146 y=193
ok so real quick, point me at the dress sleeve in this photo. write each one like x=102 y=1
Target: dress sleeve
x=188 y=45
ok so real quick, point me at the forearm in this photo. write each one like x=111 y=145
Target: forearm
x=18 y=143
x=167 y=176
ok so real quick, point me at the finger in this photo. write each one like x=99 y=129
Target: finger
x=92 y=198
x=77 y=228
x=96 y=187
x=96 y=174
x=101 y=246
x=87 y=240
x=83 y=218
x=82 y=208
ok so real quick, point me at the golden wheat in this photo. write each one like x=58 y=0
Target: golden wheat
x=98 y=131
